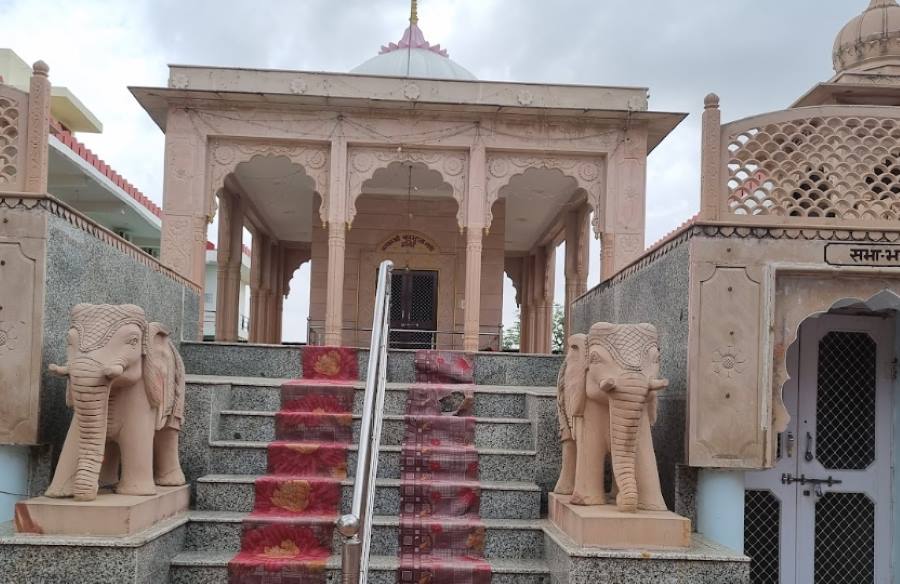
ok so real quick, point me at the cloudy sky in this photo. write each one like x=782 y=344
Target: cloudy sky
x=758 y=55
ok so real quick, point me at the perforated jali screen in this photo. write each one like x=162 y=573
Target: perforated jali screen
x=845 y=539
x=845 y=403
x=822 y=167
x=762 y=521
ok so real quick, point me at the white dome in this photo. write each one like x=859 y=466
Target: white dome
x=413 y=56
x=414 y=63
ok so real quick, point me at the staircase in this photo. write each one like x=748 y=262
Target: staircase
x=240 y=424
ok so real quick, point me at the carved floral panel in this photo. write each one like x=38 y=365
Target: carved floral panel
x=21 y=301
x=725 y=423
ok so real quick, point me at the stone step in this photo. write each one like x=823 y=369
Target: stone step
x=499 y=500
x=504 y=433
x=243 y=359
x=504 y=538
x=264 y=394
x=211 y=567
x=244 y=457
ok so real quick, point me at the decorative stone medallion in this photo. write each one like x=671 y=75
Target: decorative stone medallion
x=411 y=91
x=178 y=81
x=298 y=86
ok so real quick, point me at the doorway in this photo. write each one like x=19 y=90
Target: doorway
x=413 y=309
x=823 y=514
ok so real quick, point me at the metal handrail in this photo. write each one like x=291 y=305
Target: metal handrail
x=356 y=526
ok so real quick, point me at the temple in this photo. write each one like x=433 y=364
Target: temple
x=406 y=157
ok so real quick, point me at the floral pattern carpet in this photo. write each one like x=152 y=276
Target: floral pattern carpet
x=287 y=538
x=441 y=533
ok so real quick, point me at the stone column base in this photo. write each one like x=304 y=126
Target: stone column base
x=604 y=526
x=108 y=515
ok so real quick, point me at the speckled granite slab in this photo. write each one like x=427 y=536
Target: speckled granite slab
x=142 y=558
x=704 y=562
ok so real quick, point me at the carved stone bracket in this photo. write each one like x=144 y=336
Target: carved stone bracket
x=226 y=155
x=503 y=166
x=363 y=162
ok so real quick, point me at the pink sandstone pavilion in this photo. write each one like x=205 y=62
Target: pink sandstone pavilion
x=408 y=157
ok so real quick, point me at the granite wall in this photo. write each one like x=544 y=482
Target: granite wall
x=657 y=293
x=82 y=268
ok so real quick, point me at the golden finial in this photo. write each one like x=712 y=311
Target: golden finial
x=414 y=12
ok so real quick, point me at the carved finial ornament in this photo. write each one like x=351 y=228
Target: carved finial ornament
x=414 y=12
x=40 y=68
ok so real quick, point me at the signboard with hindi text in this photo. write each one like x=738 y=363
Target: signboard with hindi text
x=863 y=254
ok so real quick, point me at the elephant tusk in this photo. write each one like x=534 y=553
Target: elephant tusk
x=657 y=384
x=607 y=385
x=60 y=370
x=113 y=371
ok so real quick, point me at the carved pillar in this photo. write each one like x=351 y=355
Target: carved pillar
x=37 y=153
x=272 y=293
x=626 y=178
x=526 y=307
x=337 y=243
x=711 y=159
x=228 y=259
x=473 y=289
x=545 y=289
x=583 y=259
x=573 y=252
x=539 y=309
x=474 y=228
x=257 y=302
x=186 y=210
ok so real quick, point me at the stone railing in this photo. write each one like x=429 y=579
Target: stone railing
x=53 y=206
x=826 y=166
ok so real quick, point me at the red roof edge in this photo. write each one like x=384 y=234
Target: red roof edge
x=85 y=153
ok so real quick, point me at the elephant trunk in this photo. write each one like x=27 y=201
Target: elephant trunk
x=90 y=383
x=626 y=408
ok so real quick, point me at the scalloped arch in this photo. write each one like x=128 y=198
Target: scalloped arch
x=224 y=156
x=362 y=163
x=503 y=167
x=881 y=300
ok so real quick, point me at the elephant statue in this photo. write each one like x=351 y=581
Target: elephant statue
x=125 y=382
x=607 y=403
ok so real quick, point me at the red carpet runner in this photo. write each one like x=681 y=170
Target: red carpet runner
x=287 y=539
x=441 y=532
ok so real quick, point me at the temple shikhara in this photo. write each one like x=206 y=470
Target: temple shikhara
x=724 y=408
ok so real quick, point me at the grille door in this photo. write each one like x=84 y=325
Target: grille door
x=844 y=428
x=839 y=400
x=413 y=309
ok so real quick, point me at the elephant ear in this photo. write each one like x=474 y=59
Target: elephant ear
x=159 y=371
x=575 y=372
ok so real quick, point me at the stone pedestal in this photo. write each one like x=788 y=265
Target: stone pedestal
x=110 y=515
x=606 y=527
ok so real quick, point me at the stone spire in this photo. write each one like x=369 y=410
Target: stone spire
x=413 y=37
